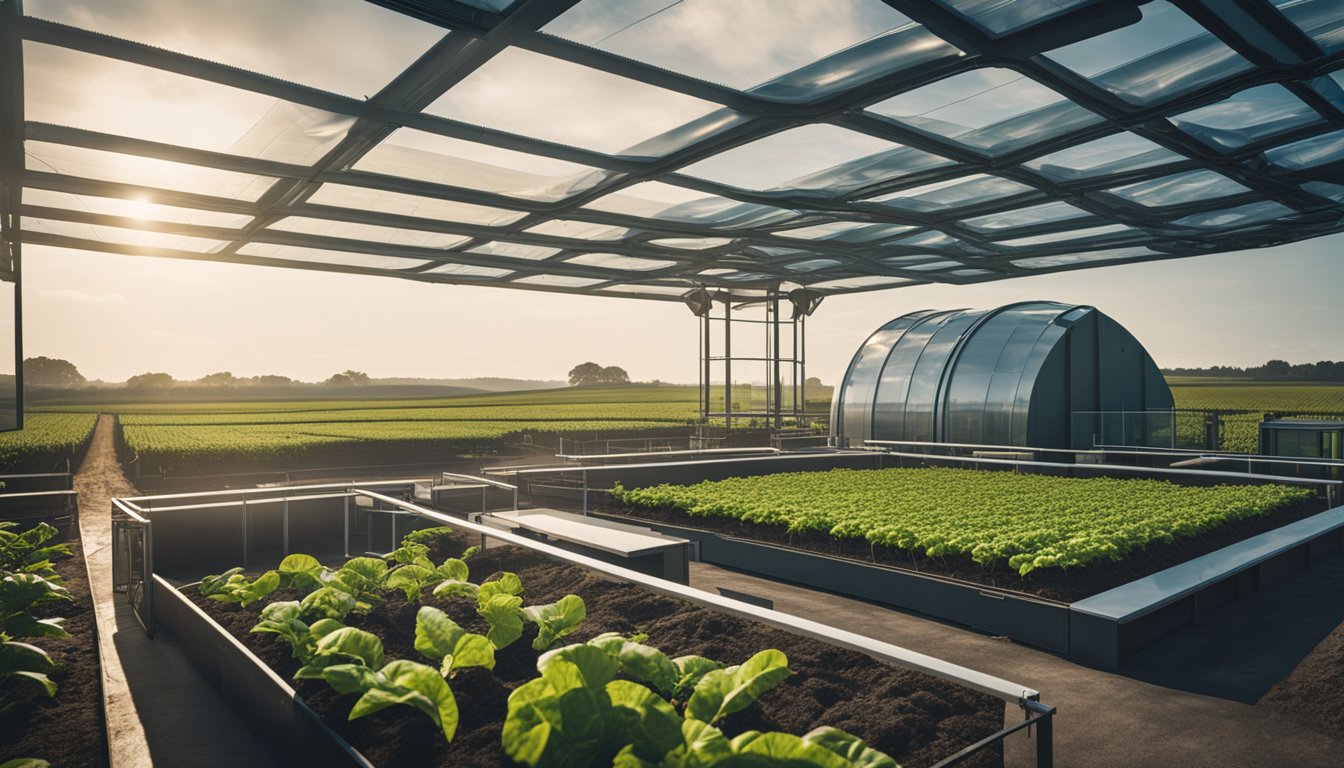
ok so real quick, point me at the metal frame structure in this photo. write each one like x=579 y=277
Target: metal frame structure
x=1205 y=171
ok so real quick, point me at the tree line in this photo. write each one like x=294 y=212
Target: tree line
x=55 y=373
x=1274 y=370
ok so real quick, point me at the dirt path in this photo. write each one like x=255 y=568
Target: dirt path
x=159 y=711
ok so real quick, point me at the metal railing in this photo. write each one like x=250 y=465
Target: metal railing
x=1026 y=699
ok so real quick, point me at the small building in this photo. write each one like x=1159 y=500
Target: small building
x=1302 y=438
x=1032 y=374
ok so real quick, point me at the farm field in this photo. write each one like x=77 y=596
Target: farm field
x=1249 y=402
x=47 y=442
x=998 y=520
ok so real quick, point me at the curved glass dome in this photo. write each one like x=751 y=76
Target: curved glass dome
x=1016 y=375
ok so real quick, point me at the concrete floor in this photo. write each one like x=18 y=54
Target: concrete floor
x=1104 y=718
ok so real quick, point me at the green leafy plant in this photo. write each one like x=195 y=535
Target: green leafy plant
x=441 y=639
x=504 y=614
x=427 y=536
x=326 y=603
x=28 y=552
x=23 y=674
x=25 y=762
x=234 y=587
x=414 y=578
x=721 y=692
x=285 y=620
x=300 y=572
x=362 y=578
x=19 y=594
x=555 y=620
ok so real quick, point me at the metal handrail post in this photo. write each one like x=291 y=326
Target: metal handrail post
x=1045 y=732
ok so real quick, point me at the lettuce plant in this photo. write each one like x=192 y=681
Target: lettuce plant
x=300 y=572
x=555 y=620
x=362 y=578
x=285 y=620
x=443 y=640
x=27 y=552
x=233 y=587
x=721 y=692
x=23 y=674
x=414 y=578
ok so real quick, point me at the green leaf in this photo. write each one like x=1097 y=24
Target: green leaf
x=503 y=614
x=778 y=750
x=690 y=669
x=593 y=666
x=349 y=678
x=722 y=692
x=436 y=635
x=265 y=584
x=323 y=627
x=346 y=645
x=371 y=569
x=20 y=592
x=302 y=572
x=558 y=720
x=23 y=624
x=850 y=747
x=506 y=584
x=472 y=650
x=555 y=620
x=25 y=762
x=411 y=580
x=213 y=585
x=416 y=685
x=453 y=569
x=644 y=719
x=327 y=603
x=453 y=588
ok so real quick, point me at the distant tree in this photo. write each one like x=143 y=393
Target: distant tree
x=221 y=379
x=348 y=379
x=51 y=372
x=270 y=380
x=1276 y=368
x=614 y=374
x=150 y=381
x=585 y=373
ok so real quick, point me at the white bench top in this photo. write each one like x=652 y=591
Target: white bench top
x=608 y=536
x=1145 y=595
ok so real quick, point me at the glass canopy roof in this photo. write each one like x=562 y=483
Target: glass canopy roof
x=649 y=148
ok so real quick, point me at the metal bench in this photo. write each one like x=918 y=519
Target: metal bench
x=634 y=547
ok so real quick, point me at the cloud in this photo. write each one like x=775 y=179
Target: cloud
x=70 y=294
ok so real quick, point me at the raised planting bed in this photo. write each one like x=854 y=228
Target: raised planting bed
x=913 y=717
x=67 y=729
x=1056 y=538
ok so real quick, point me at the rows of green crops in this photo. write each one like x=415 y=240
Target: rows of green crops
x=46 y=443
x=1243 y=405
x=1027 y=522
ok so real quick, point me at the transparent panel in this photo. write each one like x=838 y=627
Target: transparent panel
x=811 y=265
x=1090 y=236
x=854 y=421
x=67 y=87
x=1322 y=20
x=143 y=171
x=1241 y=216
x=1114 y=154
x=123 y=236
x=349 y=47
x=953 y=193
x=1325 y=189
x=1308 y=153
x=339 y=258
x=515 y=250
x=1249 y=116
x=775 y=160
x=617 y=261
x=578 y=230
x=969 y=272
x=1046 y=262
x=932 y=265
x=467 y=270
x=1046 y=213
x=1165 y=54
x=1189 y=187
x=654 y=199
x=510 y=91
x=365 y=199
x=413 y=154
x=352 y=231
x=903 y=405
x=559 y=281
x=692 y=243
x=1003 y=16
x=704 y=38
x=991 y=109
x=846 y=231
x=648 y=290
x=138 y=208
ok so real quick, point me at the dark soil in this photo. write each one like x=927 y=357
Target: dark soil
x=67 y=730
x=1052 y=583
x=913 y=717
x=1314 y=692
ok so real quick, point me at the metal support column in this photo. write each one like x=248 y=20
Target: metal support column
x=776 y=382
x=728 y=363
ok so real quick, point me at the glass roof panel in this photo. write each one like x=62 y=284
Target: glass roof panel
x=846 y=231
x=692 y=243
x=1081 y=237
x=1322 y=20
x=1003 y=16
x=515 y=250
x=142 y=171
x=655 y=199
x=339 y=258
x=123 y=235
x=617 y=261
x=1308 y=153
x=1165 y=54
x=140 y=209
x=413 y=154
x=1188 y=187
x=349 y=230
x=66 y=87
x=366 y=199
x=991 y=109
x=1046 y=213
x=1069 y=259
x=648 y=290
x=1117 y=153
x=559 y=281
x=953 y=193
x=811 y=265
x=349 y=47
x=1249 y=116
x=1325 y=189
x=1240 y=216
x=467 y=270
x=511 y=90
x=850 y=283
x=578 y=230
x=703 y=38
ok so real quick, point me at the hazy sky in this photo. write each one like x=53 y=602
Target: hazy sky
x=116 y=316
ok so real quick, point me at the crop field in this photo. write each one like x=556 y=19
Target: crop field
x=1024 y=522
x=1246 y=403
x=46 y=441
